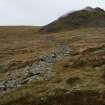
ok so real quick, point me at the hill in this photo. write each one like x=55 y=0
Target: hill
x=59 y=68
x=87 y=17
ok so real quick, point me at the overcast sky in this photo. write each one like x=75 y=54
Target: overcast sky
x=40 y=12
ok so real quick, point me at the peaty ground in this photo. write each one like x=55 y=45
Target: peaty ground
x=79 y=76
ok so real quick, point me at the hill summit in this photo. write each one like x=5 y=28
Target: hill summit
x=87 y=17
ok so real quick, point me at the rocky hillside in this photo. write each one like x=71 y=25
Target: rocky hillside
x=87 y=17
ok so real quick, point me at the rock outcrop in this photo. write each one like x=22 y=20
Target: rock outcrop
x=40 y=70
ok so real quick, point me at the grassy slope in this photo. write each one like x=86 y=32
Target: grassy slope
x=20 y=46
x=84 y=77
